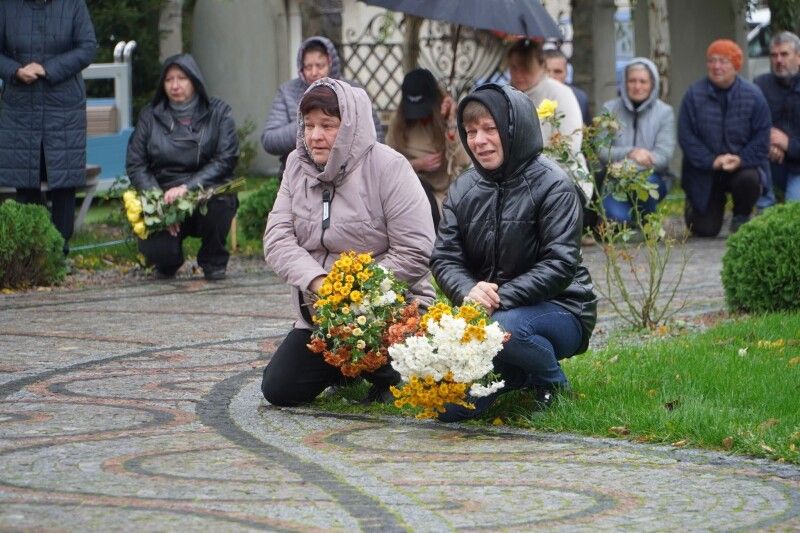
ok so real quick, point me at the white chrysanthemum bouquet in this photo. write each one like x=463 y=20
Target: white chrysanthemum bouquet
x=450 y=357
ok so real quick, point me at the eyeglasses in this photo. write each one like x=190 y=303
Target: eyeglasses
x=718 y=60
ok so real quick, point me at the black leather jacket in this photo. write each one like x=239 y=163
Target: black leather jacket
x=520 y=229
x=164 y=153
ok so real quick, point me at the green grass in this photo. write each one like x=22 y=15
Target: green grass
x=696 y=391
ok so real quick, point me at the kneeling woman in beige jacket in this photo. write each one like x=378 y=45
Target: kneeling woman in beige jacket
x=342 y=190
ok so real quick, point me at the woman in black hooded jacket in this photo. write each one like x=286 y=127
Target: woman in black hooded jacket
x=509 y=239
x=186 y=140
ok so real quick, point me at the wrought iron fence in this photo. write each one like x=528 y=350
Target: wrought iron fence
x=374 y=58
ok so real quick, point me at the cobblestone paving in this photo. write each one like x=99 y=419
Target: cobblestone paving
x=138 y=407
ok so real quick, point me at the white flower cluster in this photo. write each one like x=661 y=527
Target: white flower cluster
x=441 y=352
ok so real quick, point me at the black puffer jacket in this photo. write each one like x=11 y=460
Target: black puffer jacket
x=163 y=153
x=518 y=226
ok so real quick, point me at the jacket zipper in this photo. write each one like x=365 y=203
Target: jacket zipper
x=496 y=244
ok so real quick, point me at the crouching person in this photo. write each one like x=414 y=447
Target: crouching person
x=509 y=239
x=342 y=190
x=186 y=140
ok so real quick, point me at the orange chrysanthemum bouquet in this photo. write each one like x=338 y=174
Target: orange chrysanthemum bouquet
x=360 y=313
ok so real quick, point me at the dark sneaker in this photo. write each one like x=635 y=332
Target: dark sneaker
x=377 y=394
x=214 y=275
x=164 y=274
x=738 y=221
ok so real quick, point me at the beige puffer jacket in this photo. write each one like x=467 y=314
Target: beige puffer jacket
x=377 y=205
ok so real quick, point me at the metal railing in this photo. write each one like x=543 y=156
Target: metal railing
x=121 y=71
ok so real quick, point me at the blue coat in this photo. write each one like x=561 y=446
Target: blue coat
x=51 y=112
x=783 y=99
x=704 y=133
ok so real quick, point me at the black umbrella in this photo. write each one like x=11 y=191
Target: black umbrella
x=527 y=18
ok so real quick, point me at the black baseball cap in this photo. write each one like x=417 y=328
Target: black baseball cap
x=420 y=93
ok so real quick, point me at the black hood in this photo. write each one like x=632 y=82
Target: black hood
x=187 y=64
x=517 y=124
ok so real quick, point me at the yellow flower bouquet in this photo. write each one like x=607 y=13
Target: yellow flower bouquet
x=449 y=360
x=361 y=310
x=148 y=213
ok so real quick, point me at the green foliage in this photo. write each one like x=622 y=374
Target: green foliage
x=30 y=247
x=760 y=270
x=128 y=20
x=247 y=148
x=253 y=211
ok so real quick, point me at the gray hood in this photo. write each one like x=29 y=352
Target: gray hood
x=653 y=93
x=333 y=56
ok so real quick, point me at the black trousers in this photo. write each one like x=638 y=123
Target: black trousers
x=296 y=375
x=744 y=186
x=62 y=203
x=165 y=252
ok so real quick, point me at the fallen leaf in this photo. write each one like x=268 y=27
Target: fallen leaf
x=652 y=393
x=680 y=443
x=497 y=421
x=727 y=443
x=793 y=447
x=619 y=430
x=768 y=423
x=766 y=448
x=794 y=361
x=742 y=352
x=614 y=359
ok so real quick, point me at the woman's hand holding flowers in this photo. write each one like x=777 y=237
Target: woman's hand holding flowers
x=175 y=193
x=485 y=293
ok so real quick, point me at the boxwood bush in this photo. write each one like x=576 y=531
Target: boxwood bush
x=760 y=268
x=252 y=214
x=30 y=247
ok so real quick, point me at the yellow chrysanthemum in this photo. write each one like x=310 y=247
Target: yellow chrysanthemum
x=326 y=289
x=356 y=296
x=364 y=258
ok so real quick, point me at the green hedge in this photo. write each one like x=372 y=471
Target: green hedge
x=253 y=211
x=761 y=269
x=31 y=248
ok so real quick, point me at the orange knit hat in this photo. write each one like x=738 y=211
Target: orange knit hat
x=726 y=48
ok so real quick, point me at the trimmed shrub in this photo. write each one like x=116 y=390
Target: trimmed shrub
x=760 y=268
x=31 y=248
x=252 y=214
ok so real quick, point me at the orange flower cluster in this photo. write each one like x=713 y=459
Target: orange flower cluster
x=431 y=395
x=405 y=325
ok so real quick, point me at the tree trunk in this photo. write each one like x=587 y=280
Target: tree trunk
x=411 y=42
x=170 y=29
x=582 y=57
x=660 y=48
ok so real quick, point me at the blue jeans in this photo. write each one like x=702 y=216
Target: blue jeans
x=789 y=182
x=621 y=211
x=541 y=335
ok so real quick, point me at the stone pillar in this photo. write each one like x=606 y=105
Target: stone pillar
x=593 y=56
x=242 y=49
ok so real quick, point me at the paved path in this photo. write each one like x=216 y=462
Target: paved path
x=138 y=408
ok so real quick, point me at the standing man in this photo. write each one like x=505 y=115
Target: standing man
x=557 y=66
x=44 y=46
x=781 y=88
x=723 y=130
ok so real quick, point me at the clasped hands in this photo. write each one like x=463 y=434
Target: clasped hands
x=778 y=144
x=727 y=162
x=30 y=73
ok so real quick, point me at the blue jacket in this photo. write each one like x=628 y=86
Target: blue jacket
x=50 y=112
x=783 y=99
x=704 y=133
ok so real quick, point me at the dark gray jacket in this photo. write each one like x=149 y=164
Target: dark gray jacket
x=164 y=153
x=650 y=126
x=519 y=226
x=50 y=112
x=280 y=131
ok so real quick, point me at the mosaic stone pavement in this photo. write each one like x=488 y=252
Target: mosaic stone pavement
x=138 y=407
